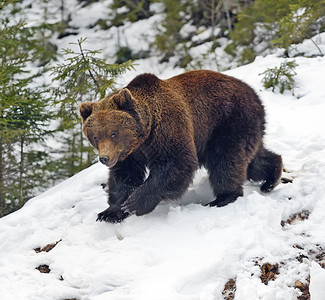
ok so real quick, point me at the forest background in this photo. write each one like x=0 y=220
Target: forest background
x=42 y=85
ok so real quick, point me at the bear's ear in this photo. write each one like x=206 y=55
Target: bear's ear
x=123 y=99
x=85 y=110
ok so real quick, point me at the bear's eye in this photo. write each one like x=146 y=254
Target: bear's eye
x=95 y=139
x=114 y=136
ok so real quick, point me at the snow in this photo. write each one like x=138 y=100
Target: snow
x=317 y=275
x=183 y=250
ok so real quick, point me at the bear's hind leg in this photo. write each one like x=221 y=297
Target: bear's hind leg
x=227 y=166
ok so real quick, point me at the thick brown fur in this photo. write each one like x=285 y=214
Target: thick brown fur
x=172 y=127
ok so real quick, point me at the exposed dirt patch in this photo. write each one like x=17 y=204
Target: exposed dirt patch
x=297 y=217
x=44 y=269
x=229 y=291
x=304 y=288
x=288 y=176
x=47 y=248
x=269 y=272
x=285 y=180
x=318 y=255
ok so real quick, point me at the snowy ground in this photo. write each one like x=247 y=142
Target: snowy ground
x=263 y=246
x=269 y=244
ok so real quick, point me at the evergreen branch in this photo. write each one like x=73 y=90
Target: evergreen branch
x=86 y=61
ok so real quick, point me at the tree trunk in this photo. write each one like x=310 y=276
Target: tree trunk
x=73 y=154
x=225 y=6
x=21 y=172
x=62 y=11
x=2 y=196
x=81 y=146
x=214 y=9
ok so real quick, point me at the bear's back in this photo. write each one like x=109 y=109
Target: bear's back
x=204 y=98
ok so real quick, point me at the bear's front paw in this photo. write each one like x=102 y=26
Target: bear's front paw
x=135 y=206
x=113 y=214
x=130 y=206
x=140 y=205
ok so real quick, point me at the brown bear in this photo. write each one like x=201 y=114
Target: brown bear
x=172 y=127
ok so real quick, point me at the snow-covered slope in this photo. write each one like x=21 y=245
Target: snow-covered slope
x=268 y=244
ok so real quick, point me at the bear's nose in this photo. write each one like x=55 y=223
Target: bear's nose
x=104 y=160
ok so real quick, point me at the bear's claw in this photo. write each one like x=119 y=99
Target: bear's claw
x=127 y=207
x=112 y=215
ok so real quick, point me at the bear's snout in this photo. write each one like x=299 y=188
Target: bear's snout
x=106 y=161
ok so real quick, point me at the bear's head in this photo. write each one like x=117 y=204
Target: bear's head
x=116 y=126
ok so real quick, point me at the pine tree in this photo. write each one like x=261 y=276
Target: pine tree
x=275 y=23
x=133 y=10
x=280 y=77
x=302 y=21
x=24 y=109
x=168 y=38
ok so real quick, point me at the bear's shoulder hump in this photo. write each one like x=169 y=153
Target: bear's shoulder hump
x=144 y=80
